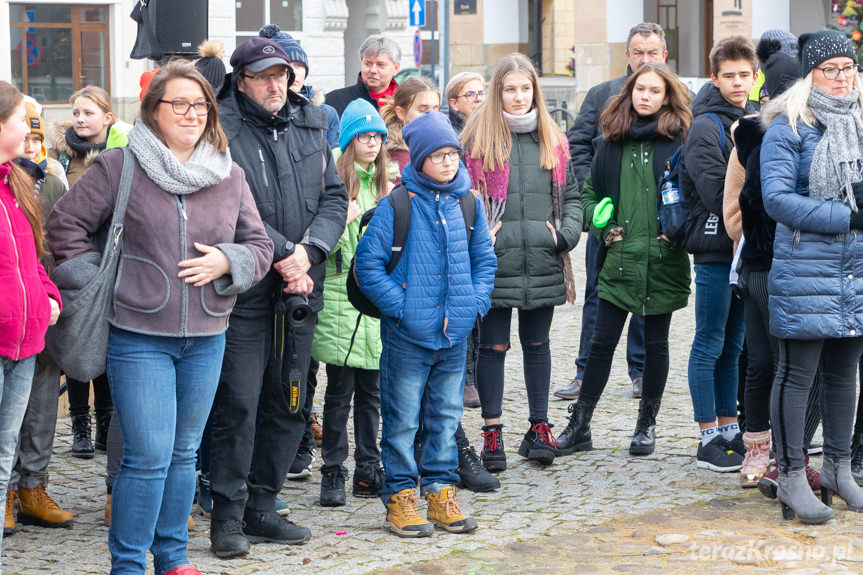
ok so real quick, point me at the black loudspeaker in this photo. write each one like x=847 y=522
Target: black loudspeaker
x=181 y=25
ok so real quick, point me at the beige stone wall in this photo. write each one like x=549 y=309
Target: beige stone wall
x=467 y=51
x=558 y=36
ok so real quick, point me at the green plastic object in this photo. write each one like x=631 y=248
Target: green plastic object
x=118 y=136
x=602 y=213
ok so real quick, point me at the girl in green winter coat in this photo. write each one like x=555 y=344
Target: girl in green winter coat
x=519 y=160
x=641 y=272
x=352 y=360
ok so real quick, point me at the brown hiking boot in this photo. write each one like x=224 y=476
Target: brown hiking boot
x=403 y=519
x=9 y=524
x=444 y=512
x=35 y=507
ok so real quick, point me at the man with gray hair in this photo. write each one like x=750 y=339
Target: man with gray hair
x=380 y=59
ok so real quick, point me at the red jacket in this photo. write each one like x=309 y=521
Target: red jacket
x=24 y=307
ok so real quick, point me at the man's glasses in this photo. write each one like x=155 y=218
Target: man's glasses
x=181 y=107
x=367 y=137
x=832 y=73
x=472 y=96
x=438 y=157
x=265 y=79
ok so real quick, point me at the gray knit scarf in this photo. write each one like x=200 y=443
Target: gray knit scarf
x=524 y=124
x=206 y=167
x=838 y=158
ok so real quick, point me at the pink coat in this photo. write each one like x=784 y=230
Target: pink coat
x=24 y=307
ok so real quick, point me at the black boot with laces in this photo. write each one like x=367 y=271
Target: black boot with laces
x=473 y=475
x=82 y=442
x=538 y=443
x=576 y=436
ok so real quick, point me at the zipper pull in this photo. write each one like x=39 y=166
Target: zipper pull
x=437 y=197
x=275 y=135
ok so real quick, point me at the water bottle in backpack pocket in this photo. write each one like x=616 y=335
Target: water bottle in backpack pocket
x=672 y=207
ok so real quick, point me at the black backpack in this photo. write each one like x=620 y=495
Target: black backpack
x=400 y=199
x=671 y=203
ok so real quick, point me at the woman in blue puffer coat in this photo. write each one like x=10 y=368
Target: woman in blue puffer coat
x=812 y=183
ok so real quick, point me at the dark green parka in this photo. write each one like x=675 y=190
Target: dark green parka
x=643 y=273
x=529 y=266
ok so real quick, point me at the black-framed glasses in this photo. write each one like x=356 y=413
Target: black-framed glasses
x=472 y=96
x=265 y=79
x=831 y=72
x=366 y=137
x=438 y=157
x=181 y=107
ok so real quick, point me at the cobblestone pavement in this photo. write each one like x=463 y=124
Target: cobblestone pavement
x=601 y=511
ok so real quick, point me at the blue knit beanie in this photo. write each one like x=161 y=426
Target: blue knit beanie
x=360 y=117
x=428 y=134
x=291 y=47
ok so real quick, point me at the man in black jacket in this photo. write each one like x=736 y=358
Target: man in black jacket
x=719 y=330
x=646 y=43
x=277 y=137
x=380 y=59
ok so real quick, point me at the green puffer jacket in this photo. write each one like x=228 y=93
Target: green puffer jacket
x=338 y=318
x=529 y=267
x=642 y=273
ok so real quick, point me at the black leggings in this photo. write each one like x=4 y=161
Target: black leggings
x=533 y=329
x=763 y=359
x=798 y=361
x=79 y=396
x=609 y=325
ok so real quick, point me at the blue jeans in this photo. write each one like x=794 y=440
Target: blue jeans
x=719 y=331
x=163 y=388
x=635 y=334
x=413 y=377
x=15 y=380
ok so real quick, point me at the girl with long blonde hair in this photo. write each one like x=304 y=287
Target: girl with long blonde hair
x=518 y=159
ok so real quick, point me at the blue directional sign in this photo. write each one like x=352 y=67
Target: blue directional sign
x=418 y=13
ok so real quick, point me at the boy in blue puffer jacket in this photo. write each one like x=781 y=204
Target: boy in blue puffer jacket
x=428 y=307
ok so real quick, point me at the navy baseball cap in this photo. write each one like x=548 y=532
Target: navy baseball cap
x=258 y=54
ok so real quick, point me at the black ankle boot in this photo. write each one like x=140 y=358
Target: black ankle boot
x=857 y=458
x=82 y=444
x=103 y=422
x=644 y=438
x=576 y=436
x=493 y=454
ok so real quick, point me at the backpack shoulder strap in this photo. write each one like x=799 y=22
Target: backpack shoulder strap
x=400 y=200
x=719 y=127
x=468 y=210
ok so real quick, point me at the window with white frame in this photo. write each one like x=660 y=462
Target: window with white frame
x=252 y=14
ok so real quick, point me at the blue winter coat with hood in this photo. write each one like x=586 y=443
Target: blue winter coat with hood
x=816 y=281
x=440 y=285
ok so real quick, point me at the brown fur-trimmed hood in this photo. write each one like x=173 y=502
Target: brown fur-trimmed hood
x=56 y=137
x=395 y=141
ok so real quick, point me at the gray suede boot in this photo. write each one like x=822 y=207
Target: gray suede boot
x=836 y=478
x=796 y=497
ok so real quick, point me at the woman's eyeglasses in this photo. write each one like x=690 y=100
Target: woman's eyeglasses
x=472 y=96
x=181 y=107
x=438 y=157
x=367 y=137
x=831 y=73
